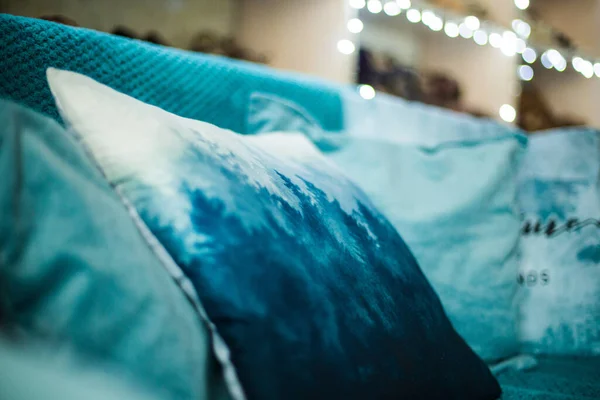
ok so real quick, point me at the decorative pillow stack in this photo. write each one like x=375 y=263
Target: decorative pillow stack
x=312 y=290
x=448 y=184
x=560 y=271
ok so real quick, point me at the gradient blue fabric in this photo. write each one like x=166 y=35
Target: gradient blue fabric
x=193 y=85
x=76 y=274
x=448 y=184
x=313 y=291
x=559 y=194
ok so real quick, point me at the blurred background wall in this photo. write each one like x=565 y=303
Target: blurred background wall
x=299 y=35
x=177 y=21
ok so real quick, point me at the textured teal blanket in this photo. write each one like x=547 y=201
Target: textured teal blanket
x=208 y=88
x=555 y=378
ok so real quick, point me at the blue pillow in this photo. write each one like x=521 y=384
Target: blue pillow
x=559 y=194
x=448 y=184
x=76 y=273
x=313 y=291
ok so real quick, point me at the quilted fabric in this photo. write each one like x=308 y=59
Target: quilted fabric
x=203 y=87
x=566 y=378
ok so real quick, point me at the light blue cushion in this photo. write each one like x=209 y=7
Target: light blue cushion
x=313 y=291
x=454 y=205
x=448 y=184
x=77 y=274
x=560 y=272
x=410 y=122
x=37 y=373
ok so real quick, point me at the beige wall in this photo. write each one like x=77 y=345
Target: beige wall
x=386 y=35
x=570 y=93
x=299 y=35
x=176 y=20
x=487 y=77
x=579 y=19
x=502 y=11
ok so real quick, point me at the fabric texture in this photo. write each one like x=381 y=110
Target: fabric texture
x=193 y=85
x=387 y=116
x=559 y=194
x=313 y=291
x=27 y=374
x=554 y=378
x=77 y=275
x=448 y=184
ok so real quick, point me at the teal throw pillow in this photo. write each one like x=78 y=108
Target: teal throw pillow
x=77 y=274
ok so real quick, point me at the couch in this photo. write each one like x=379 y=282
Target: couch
x=217 y=90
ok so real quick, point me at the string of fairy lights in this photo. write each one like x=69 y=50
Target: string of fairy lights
x=510 y=42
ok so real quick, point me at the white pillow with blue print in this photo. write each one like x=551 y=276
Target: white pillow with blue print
x=313 y=292
x=559 y=193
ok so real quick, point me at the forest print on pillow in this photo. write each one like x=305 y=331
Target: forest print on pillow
x=312 y=290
